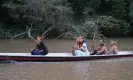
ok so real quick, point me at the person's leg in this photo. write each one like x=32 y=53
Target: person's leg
x=45 y=52
x=94 y=53
x=85 y=53
x=111 y=53
x=42 y=53
x=38 y=52
x=100 y=53
x=77 y=53
x=73 y=53
x=88 y=53
x=35 y=52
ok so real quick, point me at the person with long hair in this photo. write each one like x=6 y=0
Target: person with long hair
x=41 y=49
x=80 y=47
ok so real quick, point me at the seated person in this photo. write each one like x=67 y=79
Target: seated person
x=80 y=47
x=76 y=45
x=41 y=49
x=113 y=49
x=83 y=39
x=101 y=50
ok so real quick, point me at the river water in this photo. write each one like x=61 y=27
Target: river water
x=112 y=69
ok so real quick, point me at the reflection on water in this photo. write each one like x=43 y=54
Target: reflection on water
x=86 y=70
x=118 y=69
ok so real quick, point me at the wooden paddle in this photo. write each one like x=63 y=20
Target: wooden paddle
x=29 y=34
x=94 y=35
x=47 y=31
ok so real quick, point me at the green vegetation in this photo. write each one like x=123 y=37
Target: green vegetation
x=67 y=18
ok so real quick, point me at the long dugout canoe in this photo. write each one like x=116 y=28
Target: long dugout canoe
x=58 y=57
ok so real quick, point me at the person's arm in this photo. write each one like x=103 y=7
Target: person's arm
x=93 y=47
x=78 y=48
x=96 y=49
x=74 y=46
x=41 y=47
x=102 y=50
x=36 y=41
x=83 y=48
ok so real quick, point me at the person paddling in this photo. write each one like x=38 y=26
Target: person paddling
x=41 y=49
x=113 y=49
x=100 y=50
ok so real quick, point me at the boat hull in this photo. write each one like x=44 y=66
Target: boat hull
x=40 y=58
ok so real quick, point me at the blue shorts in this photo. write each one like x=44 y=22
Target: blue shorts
x=36 y=52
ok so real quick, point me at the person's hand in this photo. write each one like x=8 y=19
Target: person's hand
x=40 y=50
x=73 y=48
x=92 y=45
x=42 y=38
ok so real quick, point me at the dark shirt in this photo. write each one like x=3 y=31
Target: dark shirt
x=83 y=41
x=41 y=46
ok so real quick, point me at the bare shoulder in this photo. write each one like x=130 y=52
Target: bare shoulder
x=104 y=47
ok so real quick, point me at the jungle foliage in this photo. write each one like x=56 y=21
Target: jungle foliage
x=109 y=18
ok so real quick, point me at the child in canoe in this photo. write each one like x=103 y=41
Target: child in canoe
x=80 y=47
x=100 y=50
x=113 y=49
x=41 y=49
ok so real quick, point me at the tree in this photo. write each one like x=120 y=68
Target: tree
x=71 y=16
x=43 y=13
x=131 y=14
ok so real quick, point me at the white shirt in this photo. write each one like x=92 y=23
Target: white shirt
x=84 y=48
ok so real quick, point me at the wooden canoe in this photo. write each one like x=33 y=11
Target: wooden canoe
x=58 y=57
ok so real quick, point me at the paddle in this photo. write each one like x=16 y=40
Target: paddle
x=43 y=35
x=29 y=34
x=94 y=35
x=47 y=31
x=117 y=40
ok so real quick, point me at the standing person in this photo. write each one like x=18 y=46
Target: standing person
x=80 y=49
x=113 y=49
x=41 y=49
x=100 y=50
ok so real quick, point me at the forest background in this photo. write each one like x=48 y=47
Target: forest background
x=66 y=18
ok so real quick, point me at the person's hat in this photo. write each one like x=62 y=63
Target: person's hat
x=113 y=42
x=102 y=42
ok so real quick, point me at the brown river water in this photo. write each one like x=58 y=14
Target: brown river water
x=111 y=69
